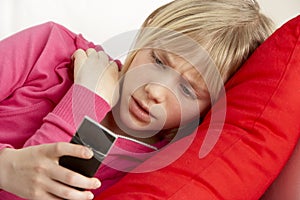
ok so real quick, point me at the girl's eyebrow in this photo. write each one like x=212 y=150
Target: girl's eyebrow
x=197 y=82
x=200 y=92
x=165 y=58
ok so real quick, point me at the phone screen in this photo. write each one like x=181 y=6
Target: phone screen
x=95 y=136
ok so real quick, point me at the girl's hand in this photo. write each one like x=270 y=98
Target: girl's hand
x=94 y=71
x=34 y=172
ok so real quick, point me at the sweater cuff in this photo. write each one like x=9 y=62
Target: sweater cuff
x=79 y=102
x=3 y=146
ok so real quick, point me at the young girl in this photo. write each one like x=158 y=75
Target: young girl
x=183 y=53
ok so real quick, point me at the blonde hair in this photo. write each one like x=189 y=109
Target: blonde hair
x=229 y=30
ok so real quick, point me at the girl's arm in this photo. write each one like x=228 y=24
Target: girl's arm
x=94 y=93
x=35 y=73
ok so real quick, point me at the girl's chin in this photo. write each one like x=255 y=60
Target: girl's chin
x=139 y=126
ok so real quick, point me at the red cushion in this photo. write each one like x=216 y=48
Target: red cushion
x=260 y=131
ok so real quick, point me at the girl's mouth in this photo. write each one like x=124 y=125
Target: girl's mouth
x=139 y=111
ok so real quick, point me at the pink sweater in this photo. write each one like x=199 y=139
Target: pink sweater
x=38 y=101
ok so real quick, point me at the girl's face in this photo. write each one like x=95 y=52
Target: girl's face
x=161 y=91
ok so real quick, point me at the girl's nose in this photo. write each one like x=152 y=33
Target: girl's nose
x=156 y=92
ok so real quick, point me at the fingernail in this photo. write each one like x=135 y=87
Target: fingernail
x=91 y=196
x=97 y=184
x=88 y=152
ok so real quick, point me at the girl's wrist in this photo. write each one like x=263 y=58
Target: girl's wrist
x=3 y=165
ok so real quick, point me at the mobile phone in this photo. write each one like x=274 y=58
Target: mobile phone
x=95 y=136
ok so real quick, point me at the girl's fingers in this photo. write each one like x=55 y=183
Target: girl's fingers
x=79 y=57
x=50 y=197
x=72 y=178
x=66 y=192
x=91 y=51
x=78 y=54
x=114 y=68
x=103 y=57
x=59 y=149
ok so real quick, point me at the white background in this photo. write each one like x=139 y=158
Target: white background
x=99 y=20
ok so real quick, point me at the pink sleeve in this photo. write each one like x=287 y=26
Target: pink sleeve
x=21 y=53
x=61 y=124
x=26 y=52
x=35 y=75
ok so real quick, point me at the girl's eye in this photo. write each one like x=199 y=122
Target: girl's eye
x=187 y=91
x=157 y=60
